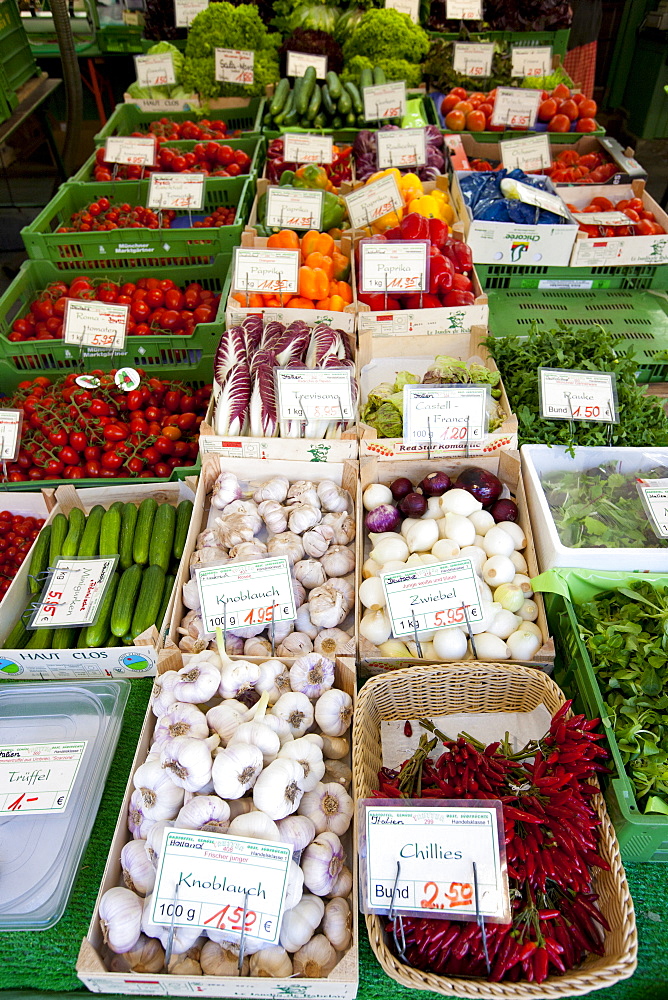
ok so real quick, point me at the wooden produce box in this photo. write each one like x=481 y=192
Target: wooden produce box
x=618 y=251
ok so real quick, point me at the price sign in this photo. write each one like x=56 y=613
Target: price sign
x=527 y=154
x=395 y=267
x=387 y=100
x=473 y=60
x=511 y=188
x=11 y=423
x=516 y=107
x=463 y=10
x=293 y=208
x=410 y=7
x=305 y=148
x=235 y=66
x=373 y=201
x=95 y=324
x=654 y=496
x=38 y=778
x=602 y=218
x=155 y=71
x=73 y=592
x=401 y=147
x=578 y=395
x=445 y=416
x=252 y=593
x=203 y=879
x=185 y=11
x=432 y=597
x=266 y=271
x=125 y=149
x=531 y=60
x=176 y=191
x=299 y=62
x=323 y=394
x=436 y=845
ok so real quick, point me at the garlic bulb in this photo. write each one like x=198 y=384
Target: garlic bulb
x=300 y=922
x=139 y=824
x=225 y=489
x=162 y=694
x=273 y=962
x=198 y=682
x=304 y=624
x=338 y=560
x=236 y=677
x=204 y=812
x=337 y=771
x=211 y=556
x=274 y=679
x=295 y=885
x=279 y=789
x=138 y=872
x=316 y=541
x=335 y=747
x=315 y=959
x=248 y=550
x=161 y=798
x=191 y=597
x=146 y=955
x=344 y=883
x=240 y=507
x=287 y=544
x=314 y=738
x=343 y=525
x=257 y=647
x=153 y=842
x=235 y=770
x=239 y=806
x=329 y=807
x=312 y=675
x=310 y=573
x=274 y=489
x=326 y=606
x=184 y=965
x=332 y=497
x=294 y=645
x=344 y=585
x=120 y=914
x=303 y=516
x=255 y=825
x=224 y=719
x=333 y=712
x=274 y=516
x=337 y=923
x=296 y=709
x=259 y=735
x=322 y=862
x=217 y=960
x=331 y=641
x=188 y=761
x=296 y=830
x=309 y=756
x=182 y=719
x=303 y=491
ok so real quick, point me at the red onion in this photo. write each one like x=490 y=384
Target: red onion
x=435 y=484
x=413 y=505
x=483 y=485
x=504 y=510
x=383 y=518
x=401 y=488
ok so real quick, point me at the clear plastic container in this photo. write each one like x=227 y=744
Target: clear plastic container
x=41 y=852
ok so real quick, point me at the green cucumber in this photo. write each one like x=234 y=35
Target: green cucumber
x=314 y=103
x=184 y=513
x=280 y=97
x=333 y=85
x=379 y=76
x=149 y=601
x=336 y=122
x=90 y=539
x=327 y=102
x=129 y=516
x=344 y=104
x=64 y=638
x=19 y=635
x=285 y=111
x=41 y=638
x=351 y=118
x=97 y=633
x=111 y=640
x=39 y=560
x=77 y=523
x=162 y=536
x=355 y=97
x=320 y=120
x=306 y=90
x=166 y=594
x=142 y=538
x=366 y=78
x=59 y=527
x=126 y=598
x=110 y=530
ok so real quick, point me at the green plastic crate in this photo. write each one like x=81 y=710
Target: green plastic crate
x=638 y=318
x=496 y=276
x=16 y=55
x=155 y=247
x=128 y=118
x=119 y=38
x=254 y=146
x=641 y=837
x=557 y=39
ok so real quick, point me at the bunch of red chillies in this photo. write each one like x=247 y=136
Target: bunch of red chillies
x=551 y=846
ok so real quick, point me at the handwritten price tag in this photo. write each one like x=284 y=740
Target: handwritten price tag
x=654 y=496
x=445 y=416
x=602 y=218
x=11 y=423
x=292 y=208
x=185 y=11
x=125 y=149
x=402 y=147
x=95 y=324
x=266 y=271
x=299 y=62
x=255 y=593
x=203 y=878
x=372 y=202
x=399 y=267
x=73 y=592
x=38 y=778
x=176 y=191
x=305 y=148
x=235 y=66
x=531 y=60
x=155 y=71
x=432 y=597
x=463 y=10
x=578 y=395
x=314 y=395
x=527 y=154
x=473 y=60
x=516 y=107
x=410 y=7
x=387 y=100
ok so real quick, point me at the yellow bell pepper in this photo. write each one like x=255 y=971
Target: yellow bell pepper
x=447 y=213
x=426 y=206
x=388 y=221
x=440 y=196
x=385 y=173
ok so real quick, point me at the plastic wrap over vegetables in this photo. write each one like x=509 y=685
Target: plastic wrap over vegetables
x=482 y=193
x=366 y=154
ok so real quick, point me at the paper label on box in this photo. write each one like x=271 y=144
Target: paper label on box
x=445 y=416
x=394 y=268
x=573 y=285
x=11 y=424
x=156 y=70
x=620 y=250
x=526 y=154
x=403 y=147
x=511 y=188
x=471 y=59
x=177 y=191
x=204 y=878
x=320 y=394
x=266 y=270
x=78 y=664
x=126 y=149
x=235 y=66
x=441 y=595
x=294 y=208
x=241 y=595
x=38 y=778
x=95 y=324
x=602 y=218
x=531 y=60
x=304 y=148
x=73 y=593
x=578 y=395
x=410 y=7
x=463 y=10
x=185 y=11
x=654 y=496
x=299 y=62
x=516 y=107
x=371 y=202
x=386 y=100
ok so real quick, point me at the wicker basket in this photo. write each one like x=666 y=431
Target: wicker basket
x=488 y=687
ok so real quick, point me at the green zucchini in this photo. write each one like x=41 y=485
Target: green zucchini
x=39 y=560
x=314 y=103
x=306 y=90
x=336 y=122
x=98 y=631
x=111 y=640
x=291 y=118
x=110 y=530
x=333 y=85
x=320 y=120
x=379 y=76
x=128 y=523
x=90 y=539
x=162 y=536
x=124 y=603
x=280 y=97
x=327 y=102
x=286 y=109
x=184 y=513
x=64 y=638
x=41 y=638
x=366 y=78
x=59 y=527
x=149 y=601
x=344 y=104
x=351 y=118
x=143 y=527
x=355 y=97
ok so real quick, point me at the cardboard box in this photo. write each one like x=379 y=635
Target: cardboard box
x=505 y=465
x=380 y=358
x=341 y=984
x=507 y=243
x=618 y=251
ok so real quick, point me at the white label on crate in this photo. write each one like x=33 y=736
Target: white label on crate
x=155 y=71
x=602 y=218
x=403 y=147
x=654 y=496
x=11 y=423
x=38 y=778
x=324 y=394
x=372 y=202
x=418 y=858
x=235 y=66
x=306 y=148
x=185 y=11
x=445 y=416
x=176 y=191
x=78 y=664
x=95 y=324
x=73 y=593
x=511 y=188
x=266 y=271
x=441 y=595
x=394 y=267
x=526 y=154
x=571 y=284
x=125 y=149
x=241 y=595
x=410 y=7
x=472 y=59
x=463 y=10
x=577 y=395
x=531 y=60
x=203 y=880
x=516 y=107
x=294 y=208
x=387 y=100
x=299 y=62
x=127 y=379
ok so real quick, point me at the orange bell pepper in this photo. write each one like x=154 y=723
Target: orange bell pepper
x=342 y=289
x=272 y=301
x=325 y=264
x=313 y=283
x=299 y=303
x=287 y=239
x=323 y=304
x=252 y=301
x=315 y=242
x=341 y=266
